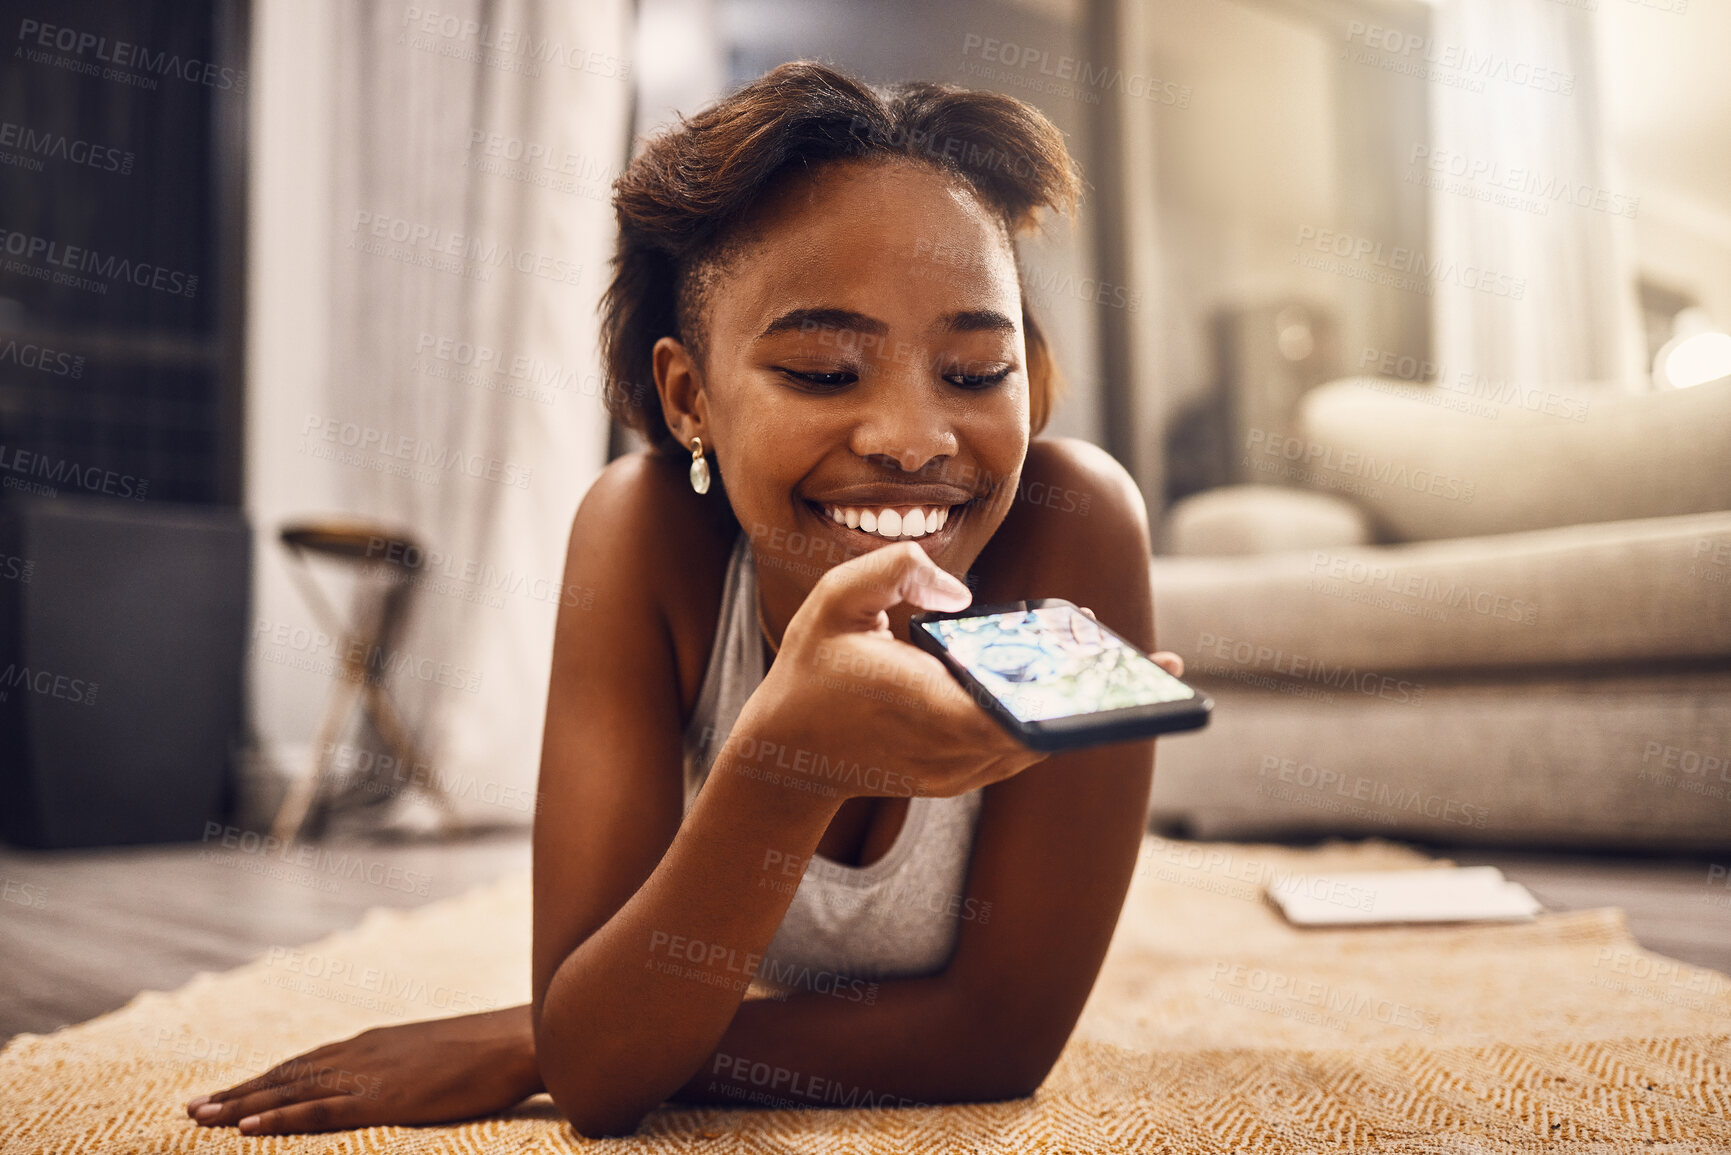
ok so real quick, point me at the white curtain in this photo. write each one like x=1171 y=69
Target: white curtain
x=1529 y=196
x=472 y=151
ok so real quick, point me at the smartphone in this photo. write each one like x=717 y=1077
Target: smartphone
x=1056 y=678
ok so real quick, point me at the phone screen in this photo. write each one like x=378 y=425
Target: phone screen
x=1055 y=662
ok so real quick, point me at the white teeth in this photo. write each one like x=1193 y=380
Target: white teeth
x=891 y=523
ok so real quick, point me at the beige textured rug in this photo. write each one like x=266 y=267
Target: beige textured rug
x=1214 y=1028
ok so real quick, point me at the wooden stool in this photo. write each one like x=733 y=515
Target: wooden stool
x=377 y=617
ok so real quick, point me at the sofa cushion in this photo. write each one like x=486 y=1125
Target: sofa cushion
x=1643 y=590
x=1611 y=761
x=1247 y=519
x=1425 y=472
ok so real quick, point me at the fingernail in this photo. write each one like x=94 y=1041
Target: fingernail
x=208 y=1111
x=949 y=583
x=195 y=1104
x=248 y=1123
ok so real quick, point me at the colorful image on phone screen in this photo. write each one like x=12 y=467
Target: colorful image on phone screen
x=1055 y=662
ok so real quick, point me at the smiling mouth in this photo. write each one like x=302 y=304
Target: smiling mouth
x=889 y=522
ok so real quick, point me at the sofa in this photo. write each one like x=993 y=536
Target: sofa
x=1484 y=623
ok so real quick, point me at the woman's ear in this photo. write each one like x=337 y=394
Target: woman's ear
x=679 y=381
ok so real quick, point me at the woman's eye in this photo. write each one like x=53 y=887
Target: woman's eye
x=833 y=380
x=977 y=380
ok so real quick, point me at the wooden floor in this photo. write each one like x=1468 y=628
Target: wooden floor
x=82 y=932
x=1680 y=908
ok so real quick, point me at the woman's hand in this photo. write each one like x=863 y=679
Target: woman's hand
x=429 y=1072
x=843 y=686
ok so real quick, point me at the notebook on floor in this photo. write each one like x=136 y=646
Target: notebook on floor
x=1447 y=894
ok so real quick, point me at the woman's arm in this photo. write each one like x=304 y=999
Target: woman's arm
x=620 y=879
x=613 y=712
x=613 y=863
x=648 y=929
x=630 y=1009
x=1053 y=856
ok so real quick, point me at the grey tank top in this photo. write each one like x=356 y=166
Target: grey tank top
x=897 y=917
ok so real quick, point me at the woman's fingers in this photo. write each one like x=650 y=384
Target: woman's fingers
x=854 y=595
x=296 y=1081
x=231 y=1110
x=215 y=1097
x=288 y=1071
x=336 y=1113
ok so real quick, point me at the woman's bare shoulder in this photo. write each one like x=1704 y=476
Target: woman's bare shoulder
x=645 y=546
x=1069 y=475
x=1075 y=505
x=641 y=510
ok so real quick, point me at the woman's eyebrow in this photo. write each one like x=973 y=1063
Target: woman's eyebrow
x=976 y=321
x=814 y=320
x=848 y=321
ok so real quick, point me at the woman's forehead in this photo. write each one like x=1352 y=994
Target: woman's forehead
x=871 y=228
x=885 y=203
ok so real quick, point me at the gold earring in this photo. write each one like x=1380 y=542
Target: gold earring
x=699 y=466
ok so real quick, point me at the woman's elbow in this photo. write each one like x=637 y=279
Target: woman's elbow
x=573 y=1071
x=601 y=1124
x=1011 y=1064
x=591 y=1112
x=1016 y=1076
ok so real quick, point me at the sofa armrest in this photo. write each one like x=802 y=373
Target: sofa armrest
x=1653 y=589
x=1425 y=473
x=1255 y=519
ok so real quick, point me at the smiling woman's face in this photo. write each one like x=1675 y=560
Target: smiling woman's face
x=865 y=376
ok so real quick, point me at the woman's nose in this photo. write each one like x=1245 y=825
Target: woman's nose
x=901 y=428
x=908 y=450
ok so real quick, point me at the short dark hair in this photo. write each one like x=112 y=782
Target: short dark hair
x=679 y=199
